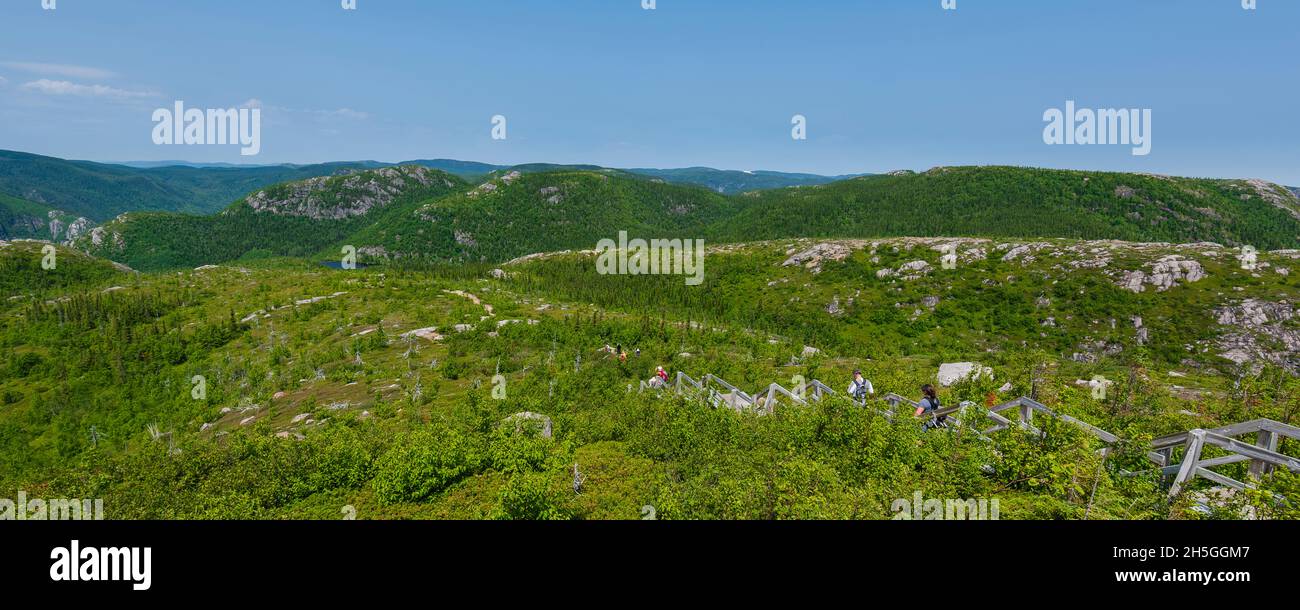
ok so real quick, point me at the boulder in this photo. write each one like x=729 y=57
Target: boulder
x=813 y=257
x=536 y=421
x=953 y=372
x=429 y=333
x=914 y=270
x=1166 y=273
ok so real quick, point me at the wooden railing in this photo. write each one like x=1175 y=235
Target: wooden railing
x=1263 y=454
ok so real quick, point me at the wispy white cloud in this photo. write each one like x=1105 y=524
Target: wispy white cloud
x=64 y=88
x=3 y=81
x=64 y=70
x=339 y=113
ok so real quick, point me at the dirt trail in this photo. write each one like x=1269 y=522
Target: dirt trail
x=474 y=299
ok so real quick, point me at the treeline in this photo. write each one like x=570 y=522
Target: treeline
x=1018 y=202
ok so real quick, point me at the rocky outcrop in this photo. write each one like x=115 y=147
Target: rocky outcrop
x=833 y=307
x=75 y=230
x=813 y=257
x=1276 y=195
x=1259 y=331
x=1166 y=273
x=491 y=186
x=537 y=422
x=954 y=372
x=914 y=270
x=101 y=237
x=1023 y=252
x=336 y=198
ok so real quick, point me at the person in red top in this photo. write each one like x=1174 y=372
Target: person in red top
x=661 y=373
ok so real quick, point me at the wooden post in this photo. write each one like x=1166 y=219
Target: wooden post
x=1264 y=439
x=1195 y=442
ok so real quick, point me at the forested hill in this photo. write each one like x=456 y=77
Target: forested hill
x=1024 y=202
x=22 y=219
x=291 y=219
x=511 y=214
x=518 y=213
x=101 y=191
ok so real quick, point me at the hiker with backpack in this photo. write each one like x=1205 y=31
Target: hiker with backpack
x=660 y=380
x=860 y=388
x=929 y=404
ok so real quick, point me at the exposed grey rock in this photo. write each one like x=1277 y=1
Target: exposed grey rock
x=356 y=194
x=532 y=421
x=1165 y=273
x=1024 y=252
x=813 y=257
x=953 y=372
x=914 y=270
x=1259 y=331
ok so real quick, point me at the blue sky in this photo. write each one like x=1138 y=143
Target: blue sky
x=884 y=84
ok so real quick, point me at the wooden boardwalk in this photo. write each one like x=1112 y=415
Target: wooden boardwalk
x=1188 y=448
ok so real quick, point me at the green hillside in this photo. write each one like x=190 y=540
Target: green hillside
x=515 y=214
x=375 y=389
x=23 y=275
x=1024 y=202
x=22 y=219
x=512 y=214
x=292 y=219
x=101 y=191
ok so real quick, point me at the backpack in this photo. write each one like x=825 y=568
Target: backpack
x=858 y=390
x=934 y=422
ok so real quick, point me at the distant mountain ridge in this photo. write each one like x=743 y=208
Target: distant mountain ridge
x=720 y=180
x=730 y=182
x=99 y=191
x=415 y=213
